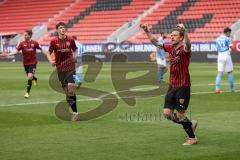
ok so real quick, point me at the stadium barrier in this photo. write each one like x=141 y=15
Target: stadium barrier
x=202 y=51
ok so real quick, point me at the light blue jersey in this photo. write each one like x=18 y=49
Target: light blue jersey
x=161 y=51
x=161 y=61
x=80 y=49
x=79 y=68
x=223 y=44
x=79 y=52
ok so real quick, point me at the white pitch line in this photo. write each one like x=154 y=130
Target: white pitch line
x=154 y=87
x=96 y=99
x=212 y=84
x=47 y=102
x=198 y=93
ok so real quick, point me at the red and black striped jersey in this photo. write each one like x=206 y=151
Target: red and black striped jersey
x=28 y=49
x=179 y=65
x=64 y=53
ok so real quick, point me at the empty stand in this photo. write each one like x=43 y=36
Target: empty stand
x=204 y=19
x=18 y=15
x=92 y=21
x=100 y=18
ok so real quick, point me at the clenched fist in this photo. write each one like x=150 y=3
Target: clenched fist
x=145 y=27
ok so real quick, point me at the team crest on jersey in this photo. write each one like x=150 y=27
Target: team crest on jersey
x=181 y=101
x=174 y=59
x=32 y=45
x=177 y=52
x=68 y=43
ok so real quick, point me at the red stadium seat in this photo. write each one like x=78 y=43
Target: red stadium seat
x=96 y=25
x=224 y=14
x=19 y=15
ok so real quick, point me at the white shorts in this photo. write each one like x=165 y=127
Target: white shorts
x=225 y=63
x=161 y=61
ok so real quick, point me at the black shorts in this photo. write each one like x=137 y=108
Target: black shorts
x=66 y=77
x=31 y=68
x=177 y=98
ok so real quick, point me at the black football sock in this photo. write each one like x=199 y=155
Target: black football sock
x=72 y=102
x=187 y=125
x=175 y=119
x=29 y=86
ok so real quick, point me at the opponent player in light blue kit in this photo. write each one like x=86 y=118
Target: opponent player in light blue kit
x=79 y=68
x=161 y=59
x=224 y=46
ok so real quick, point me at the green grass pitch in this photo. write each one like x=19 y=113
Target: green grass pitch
x=29 y=129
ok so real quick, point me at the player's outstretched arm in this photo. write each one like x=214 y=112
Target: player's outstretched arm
x=187 y=41
x=153 y=40
x=5 y=55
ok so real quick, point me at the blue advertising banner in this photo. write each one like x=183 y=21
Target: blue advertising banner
x=129 y=47
x=202 y=51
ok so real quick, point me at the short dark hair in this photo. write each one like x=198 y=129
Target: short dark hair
x=74 y=37
x=60 y=24
x=29 y=32
x=227 y=29
x=163 y=35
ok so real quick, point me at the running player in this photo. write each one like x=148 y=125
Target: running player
x=28 y=48
x=178 y=95
x=224 y=46
x=65 y=51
